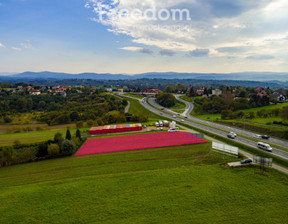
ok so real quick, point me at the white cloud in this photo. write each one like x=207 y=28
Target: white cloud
x=16 y=48
x=27 y=44
x=2 y=45
x=138 y=49
x=215 y=25
x=131 y=48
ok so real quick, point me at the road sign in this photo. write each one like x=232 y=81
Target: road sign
x=263 y=161
x=225 y=148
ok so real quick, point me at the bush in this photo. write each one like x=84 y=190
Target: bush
x=7 y=119
x=79 y=124
x=7 y=156
x=42 y=150
x=90 y=123
x=26 y=155
x=27 y=129
x=100 y=122
x=53 y=149
x=40 y=129
x=76 y=140
x=68 y=147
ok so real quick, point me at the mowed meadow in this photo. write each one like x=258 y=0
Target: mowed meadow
x=182 y=184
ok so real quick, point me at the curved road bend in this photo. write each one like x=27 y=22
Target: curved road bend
x=189 y=108
x=277 y=152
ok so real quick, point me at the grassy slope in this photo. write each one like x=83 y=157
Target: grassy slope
x=178 y=105
x=137 y=108
x=183 y=184
x=260 y=120
x=32 y=137
x=136 y=95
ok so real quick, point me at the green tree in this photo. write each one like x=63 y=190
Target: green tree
x=113 y=117
x=68 y=135
x=78 y=134
x=226 y=114
x=74 y=116
x=68 y=147
x=192 y=92
x=58 y=139
x=53 y=149
x=90 y=123
x=166 y=99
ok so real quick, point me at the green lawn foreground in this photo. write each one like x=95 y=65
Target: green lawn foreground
x=182 y=184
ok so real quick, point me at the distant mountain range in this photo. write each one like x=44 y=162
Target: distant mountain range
x=249 y=76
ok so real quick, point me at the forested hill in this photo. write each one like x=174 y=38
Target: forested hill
x=249 y=76
x=158 y=83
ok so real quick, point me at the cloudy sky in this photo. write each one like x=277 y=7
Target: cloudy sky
x=135 y=36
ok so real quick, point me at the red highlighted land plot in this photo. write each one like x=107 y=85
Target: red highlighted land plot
x=134 y=142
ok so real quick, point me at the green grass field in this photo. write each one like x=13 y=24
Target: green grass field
x=32 y=137
x=255 y=110
x=178 y=105
x=137 y=108
x=183 y=184
x=136 y=95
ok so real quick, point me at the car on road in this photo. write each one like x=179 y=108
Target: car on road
x=178 y=114
x=186 y=117
x=232 y=135
x=162 y=108
x=265 y=136
x=257 y=136
x=174 y=116
x=173 y=129
x=182 y=120
x=245 y=161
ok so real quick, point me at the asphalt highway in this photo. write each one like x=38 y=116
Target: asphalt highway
x=210 y=126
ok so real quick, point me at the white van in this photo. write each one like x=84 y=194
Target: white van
x=264 y=146
x=157 y=124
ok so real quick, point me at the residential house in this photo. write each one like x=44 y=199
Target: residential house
x=34 y=92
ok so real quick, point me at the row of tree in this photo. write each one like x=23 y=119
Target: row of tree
x=57 y=147
x=216 y=104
